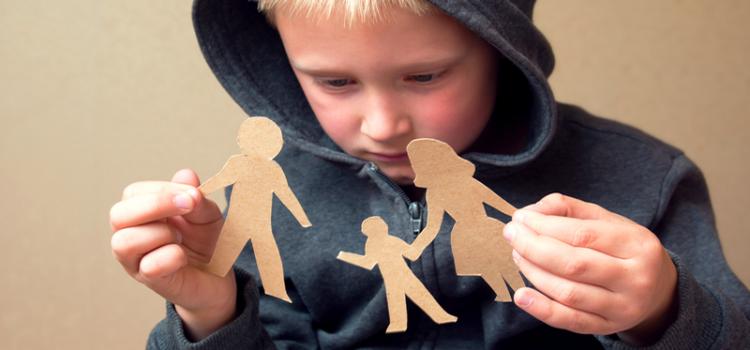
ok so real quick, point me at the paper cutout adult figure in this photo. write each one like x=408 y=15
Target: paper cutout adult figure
x=256 y=178
x=387 y=251
x=476 y=239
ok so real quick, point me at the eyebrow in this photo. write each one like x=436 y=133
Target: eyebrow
x=423 y=65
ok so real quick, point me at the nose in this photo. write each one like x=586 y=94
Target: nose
x=384 y=117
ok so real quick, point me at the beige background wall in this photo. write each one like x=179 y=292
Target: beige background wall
x=97 y=94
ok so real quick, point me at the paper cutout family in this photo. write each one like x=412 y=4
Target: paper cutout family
x=476 y=240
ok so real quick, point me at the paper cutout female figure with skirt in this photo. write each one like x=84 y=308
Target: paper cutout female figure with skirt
x=387 y=251
x=256 y=178
x=476 y=239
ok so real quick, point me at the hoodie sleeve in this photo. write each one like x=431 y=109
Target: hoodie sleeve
x=244 y=332
x=713 y=304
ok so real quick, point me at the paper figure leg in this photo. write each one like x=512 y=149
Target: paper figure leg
x=514 y=278
x=424 y=299
x=396 y=311
x=226 y=251
x=496 y=282
x=270 y=266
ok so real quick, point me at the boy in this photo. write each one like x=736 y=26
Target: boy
x=351 y=85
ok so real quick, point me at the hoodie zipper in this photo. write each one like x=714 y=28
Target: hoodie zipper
x=415 y=208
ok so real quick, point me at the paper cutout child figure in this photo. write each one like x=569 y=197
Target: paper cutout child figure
x=256 y=178
x=387 y=251
x=476 y=239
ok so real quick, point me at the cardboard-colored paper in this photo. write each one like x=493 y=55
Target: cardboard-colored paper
x=256 y=179
x=387 y=252
x=477 y=242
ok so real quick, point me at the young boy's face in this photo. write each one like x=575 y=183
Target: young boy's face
x=376 y=86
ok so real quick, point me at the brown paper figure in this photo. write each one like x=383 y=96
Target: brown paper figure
x=387 y=251
x=477 y=242
x=256 y=178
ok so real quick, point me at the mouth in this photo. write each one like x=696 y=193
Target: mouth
x=389 y=157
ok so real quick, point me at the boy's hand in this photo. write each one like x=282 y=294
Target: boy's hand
x=158 y=228
x=598 y=272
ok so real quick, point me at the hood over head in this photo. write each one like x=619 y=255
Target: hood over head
x=247 y=56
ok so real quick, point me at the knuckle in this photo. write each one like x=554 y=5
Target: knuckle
x=642 y=283
x=568 y=294
x=652 y=247
x=121 y=245
x=115 y=222
x=584 y=236
x=554 y=198
x=575 y=267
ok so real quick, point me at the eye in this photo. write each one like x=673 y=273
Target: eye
x=422 y=78
x=335 y=83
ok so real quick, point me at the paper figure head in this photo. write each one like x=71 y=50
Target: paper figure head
x=261 y=137
x=434 y=161
x=374 y=226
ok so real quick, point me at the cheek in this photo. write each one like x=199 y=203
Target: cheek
x=456 y=116
x=336 y=118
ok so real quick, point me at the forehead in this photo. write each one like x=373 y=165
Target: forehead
x=400 y=37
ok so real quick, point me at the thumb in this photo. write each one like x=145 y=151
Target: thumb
x=205 y=211
x=186 y=177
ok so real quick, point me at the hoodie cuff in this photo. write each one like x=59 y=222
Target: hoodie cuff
x=699 y=318
x=245 y=331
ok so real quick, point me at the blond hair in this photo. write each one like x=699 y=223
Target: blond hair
x=364 y=11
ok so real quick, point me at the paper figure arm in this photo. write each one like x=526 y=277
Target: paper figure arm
x=362 y=261
x=494 y=200
x=287 y=197
x=428 y=234
x=225 y=177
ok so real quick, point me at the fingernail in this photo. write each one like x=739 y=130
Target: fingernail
x=510 y=231
x=183 y=201
x=523 y=300
x=178 y=237
x=194 y=193
x=515 y=256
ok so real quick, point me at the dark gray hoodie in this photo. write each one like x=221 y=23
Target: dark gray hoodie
x=338 y=306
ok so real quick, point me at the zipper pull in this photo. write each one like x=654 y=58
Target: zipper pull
x=415 y=211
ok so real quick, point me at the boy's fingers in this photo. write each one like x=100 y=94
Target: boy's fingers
x=598 y=235
x=146 y=208
x=182 y=180
x=579 y=296
x=162 y=262
x=561 y=205
x=198 y=240
x=149 y=187
x=558 y=315
x=187 y=177
x=569 y=262
x=206 y=211
x=130 y=244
